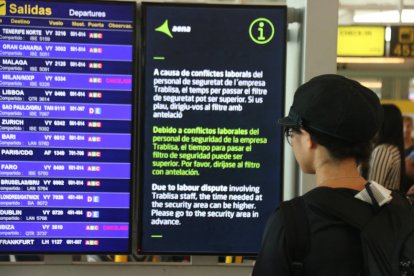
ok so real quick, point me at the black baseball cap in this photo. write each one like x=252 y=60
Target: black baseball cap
x=336 y=106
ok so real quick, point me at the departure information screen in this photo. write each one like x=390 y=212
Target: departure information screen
x=66 y=125
x=213 y=85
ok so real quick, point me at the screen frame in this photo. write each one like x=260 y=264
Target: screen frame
x=134 y=132
x=142 y=96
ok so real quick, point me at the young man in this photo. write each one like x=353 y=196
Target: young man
x=330 y=126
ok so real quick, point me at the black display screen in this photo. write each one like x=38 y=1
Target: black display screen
x=66 y=125
x=213 y=86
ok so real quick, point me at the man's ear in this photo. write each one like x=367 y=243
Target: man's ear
x=310 y=143
x=313 y=143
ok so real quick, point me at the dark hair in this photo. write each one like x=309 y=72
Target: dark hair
x=392 y=127
x=341 y=149
x=392 y=133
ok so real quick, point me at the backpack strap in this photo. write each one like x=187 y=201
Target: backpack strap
x=296 y=232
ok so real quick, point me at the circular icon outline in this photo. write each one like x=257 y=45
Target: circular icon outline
x=262 y=19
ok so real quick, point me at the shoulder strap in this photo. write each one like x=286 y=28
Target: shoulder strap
x=296 y=232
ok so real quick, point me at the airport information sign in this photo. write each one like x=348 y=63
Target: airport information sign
x=66 y=91
x=213 y=89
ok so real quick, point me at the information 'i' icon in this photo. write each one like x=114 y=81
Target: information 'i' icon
x=261 y=30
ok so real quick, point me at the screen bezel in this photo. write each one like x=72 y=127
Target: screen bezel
x=133 y=160
x=142 y=97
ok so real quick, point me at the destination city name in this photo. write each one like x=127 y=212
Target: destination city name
x=16 y=242
x=47 y=182
x=12 y=92
x=14 y=152
x=10 y=212
x=20 y=182
x=21 y=31
x=33 y=107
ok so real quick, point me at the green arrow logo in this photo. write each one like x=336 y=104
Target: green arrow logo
x=164 y=29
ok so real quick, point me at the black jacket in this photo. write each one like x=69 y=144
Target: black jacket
x=335 y=247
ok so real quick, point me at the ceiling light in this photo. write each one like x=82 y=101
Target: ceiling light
x=372 y=84
x=381 y=60
x=388 y=34
x=407 y=16
x=377 y=16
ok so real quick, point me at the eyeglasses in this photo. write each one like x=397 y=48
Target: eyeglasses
x=289 y=134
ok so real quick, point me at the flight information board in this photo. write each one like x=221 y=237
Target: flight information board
x=213 y=85
x=66 y=125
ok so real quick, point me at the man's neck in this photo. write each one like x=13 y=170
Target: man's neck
x=340 y=174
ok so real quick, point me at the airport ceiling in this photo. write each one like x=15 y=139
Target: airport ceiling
x=396 y=9
x=350 y=9
x=376 y=3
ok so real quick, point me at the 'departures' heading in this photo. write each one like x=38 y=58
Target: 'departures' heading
x=76 y=13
